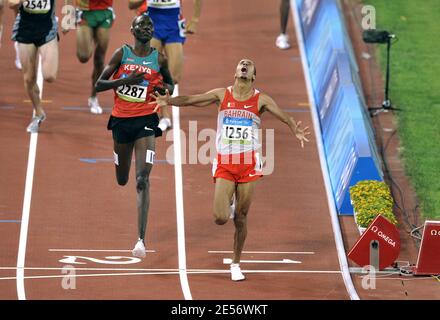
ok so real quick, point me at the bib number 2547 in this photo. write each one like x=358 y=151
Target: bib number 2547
x=36 y=6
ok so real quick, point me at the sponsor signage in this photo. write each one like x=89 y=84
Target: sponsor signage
x=386 y=234
x=428 y=262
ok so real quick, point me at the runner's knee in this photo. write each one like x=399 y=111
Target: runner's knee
x=142 y=183
x=221 y=220
x=98 y=60
x=83 y=58
x=50 y=78
x=29 y=80
x=240 y=220
x=221 y=216
x=122 y=180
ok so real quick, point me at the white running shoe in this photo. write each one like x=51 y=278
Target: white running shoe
x=232 y=213
x=94 y=106
x=282 y=41
x=34 y=126
x=17 y=56
x=164 y=124
x=139 y=249
x=236 y=274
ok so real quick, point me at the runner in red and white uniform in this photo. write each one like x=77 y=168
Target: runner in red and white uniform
x=238 y=165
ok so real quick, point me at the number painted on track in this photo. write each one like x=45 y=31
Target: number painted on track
x=109 y=260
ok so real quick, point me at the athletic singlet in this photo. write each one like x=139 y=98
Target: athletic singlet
x=164 y=4
x=33 y=13
x=90 y=5
x=131 y=100
x=164 y=7
x=159 y=4
x=238 y=123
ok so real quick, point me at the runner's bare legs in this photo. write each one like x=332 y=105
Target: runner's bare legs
x=86 y=38
x=124 y=152
x=84 y=43
x=174 y=54
x=244 y=194
x=29 y=62
x=224 y=190
x=102 y=37
x=49 y=60
x=143 y=170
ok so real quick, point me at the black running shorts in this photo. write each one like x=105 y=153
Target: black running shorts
x=128 y=130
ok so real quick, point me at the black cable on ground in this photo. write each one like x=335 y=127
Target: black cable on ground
x=414 y=229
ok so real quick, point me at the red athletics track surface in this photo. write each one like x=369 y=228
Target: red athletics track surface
x=77 y=205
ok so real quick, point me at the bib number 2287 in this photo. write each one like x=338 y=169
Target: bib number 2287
x=132 y=93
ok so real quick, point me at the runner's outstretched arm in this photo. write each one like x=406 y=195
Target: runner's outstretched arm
x=104 y=83
x=197 y=100
x=268 y=104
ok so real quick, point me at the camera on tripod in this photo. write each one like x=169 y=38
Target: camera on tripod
x=377 y=36
x=381 y=36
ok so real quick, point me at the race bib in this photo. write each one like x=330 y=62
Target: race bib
x=164 y=4
x=133 y=93
x=37 y=6
x=237 y=131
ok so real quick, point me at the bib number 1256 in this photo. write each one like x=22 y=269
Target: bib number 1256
x=236 y=133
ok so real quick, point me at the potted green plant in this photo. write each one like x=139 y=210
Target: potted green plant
x=369 y=199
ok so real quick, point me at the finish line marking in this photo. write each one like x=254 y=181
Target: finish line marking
x=111 y=160
x=265 y=252
x=172 y=272
x=289 y=261
x=93 y=250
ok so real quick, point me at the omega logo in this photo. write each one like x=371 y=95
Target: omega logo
x=435 y=232
x=382 y=235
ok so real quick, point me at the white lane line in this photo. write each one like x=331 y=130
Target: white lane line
x=180 y=214
x=265 y=252
x=86 y=269
x=93 y=250
x=190 y=271
x=21 y=256
x=348 y=282
x=289 y=261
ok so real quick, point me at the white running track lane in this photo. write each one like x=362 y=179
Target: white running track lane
x=331 y=204
x=180 y=215
x=21 y=257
